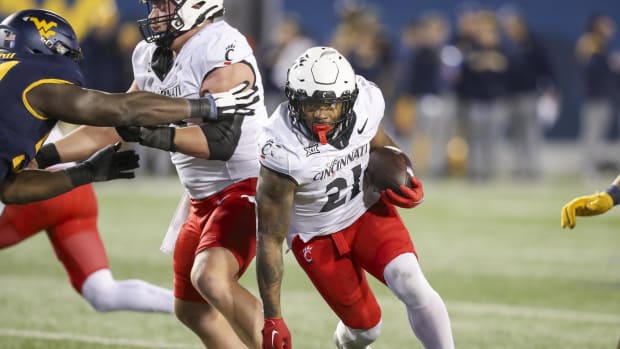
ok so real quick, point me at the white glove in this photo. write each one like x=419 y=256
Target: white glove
x=236 y=101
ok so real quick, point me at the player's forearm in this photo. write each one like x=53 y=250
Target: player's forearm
x=34 y=185
x=95 y=108
x=191 y=141
x=274 y=204
x=85 y=141
x=269 y=273
x=148 y=109
x=77 y=105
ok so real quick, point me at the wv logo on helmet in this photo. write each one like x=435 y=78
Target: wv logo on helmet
x=44 y=28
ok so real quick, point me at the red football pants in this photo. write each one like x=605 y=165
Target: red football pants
x=226 y=219
x=70 y=220
x=335 y=263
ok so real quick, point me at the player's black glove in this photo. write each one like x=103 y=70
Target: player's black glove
x=155 y=137
x=225 y=104
x=106 y=164
x=47 y=156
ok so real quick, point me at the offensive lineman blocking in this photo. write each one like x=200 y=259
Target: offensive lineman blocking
x=189 y=52
x=40 y=84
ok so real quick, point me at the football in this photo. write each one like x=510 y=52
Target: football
x=389 y=168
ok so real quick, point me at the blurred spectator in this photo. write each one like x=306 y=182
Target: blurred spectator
x=421 y=93
x=128 y=37
x=103 y=59
x=482 y=85
x=361 y=37
x=597 y=106
x=287 y=42
x=529 y=77
x=400 y=125
x=614 y=64
x=461 y=42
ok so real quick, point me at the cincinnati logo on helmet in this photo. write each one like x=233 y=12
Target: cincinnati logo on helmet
x=44 y=27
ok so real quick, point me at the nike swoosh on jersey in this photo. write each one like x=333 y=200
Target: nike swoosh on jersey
x=360 y=130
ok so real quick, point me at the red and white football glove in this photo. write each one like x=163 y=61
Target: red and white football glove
x=410 y=198
x=276 y=335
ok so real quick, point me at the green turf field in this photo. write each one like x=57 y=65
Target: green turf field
x=511 y=278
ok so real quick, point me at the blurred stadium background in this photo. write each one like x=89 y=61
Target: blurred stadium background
x=389 y=36
x=488 y=233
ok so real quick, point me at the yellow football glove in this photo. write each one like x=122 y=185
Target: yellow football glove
x=590 y=205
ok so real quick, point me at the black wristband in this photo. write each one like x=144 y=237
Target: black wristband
x=204 y=108
x=159 y=137
x=614 y=192
x=47 y=156
x=80 y=174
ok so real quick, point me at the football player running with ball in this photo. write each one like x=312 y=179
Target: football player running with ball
x=311 y=191
x=188 y=51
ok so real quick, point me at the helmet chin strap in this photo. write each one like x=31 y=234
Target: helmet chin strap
x=321 y=130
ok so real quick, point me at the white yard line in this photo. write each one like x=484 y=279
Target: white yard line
x=74 y=337
x=532 y=312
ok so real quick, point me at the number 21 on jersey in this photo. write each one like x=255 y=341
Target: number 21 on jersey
x=335 y=187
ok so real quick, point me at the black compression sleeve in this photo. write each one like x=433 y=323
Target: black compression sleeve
x=222 y=137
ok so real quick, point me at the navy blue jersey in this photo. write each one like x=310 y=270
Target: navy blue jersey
x=22 y=128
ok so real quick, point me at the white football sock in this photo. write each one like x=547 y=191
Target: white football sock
x=426 y=310
x=106 y=294
x=351 y=338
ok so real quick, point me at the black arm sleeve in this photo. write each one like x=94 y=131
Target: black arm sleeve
x=223 y=136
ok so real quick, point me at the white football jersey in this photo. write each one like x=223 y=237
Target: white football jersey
x=330 y=192
x=214 y=46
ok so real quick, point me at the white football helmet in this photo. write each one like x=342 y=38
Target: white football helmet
x=186 y=15
x=322 y=75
